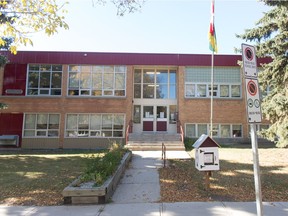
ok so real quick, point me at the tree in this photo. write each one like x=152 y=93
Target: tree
x=271 y=38
x=20 y=18
x=124 y=6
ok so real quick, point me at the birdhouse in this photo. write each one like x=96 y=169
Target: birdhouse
x=206 y=154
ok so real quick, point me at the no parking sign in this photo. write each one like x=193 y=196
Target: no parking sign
x=251 y=80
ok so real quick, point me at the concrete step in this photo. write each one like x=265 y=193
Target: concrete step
x=155 y=146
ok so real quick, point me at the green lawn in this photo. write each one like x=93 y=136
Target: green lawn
x=38 y=177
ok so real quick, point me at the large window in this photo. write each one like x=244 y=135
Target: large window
x=227 y=82
x=44 y=80
x=155 y=83
x=219 y=130
x=41 y=125
x=95 y=125
x=99 y=81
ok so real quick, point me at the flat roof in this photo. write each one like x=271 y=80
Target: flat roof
x=54 y=57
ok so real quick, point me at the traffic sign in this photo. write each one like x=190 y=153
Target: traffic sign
x=249 y=61
x=253 y=101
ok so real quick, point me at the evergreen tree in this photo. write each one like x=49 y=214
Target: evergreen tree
x=271 y=39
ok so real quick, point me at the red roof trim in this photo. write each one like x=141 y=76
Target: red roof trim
x=45 y=57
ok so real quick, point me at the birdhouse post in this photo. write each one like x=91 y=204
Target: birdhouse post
x=206 y=156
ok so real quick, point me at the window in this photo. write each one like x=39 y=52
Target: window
x=259 y=128
x=41 y=125
x=155 y=83
x=44 y=80
x=219 y=130
x=95 y=125
x=98 y=81
x=227 y=82
x=137 y=114
x=190 y=130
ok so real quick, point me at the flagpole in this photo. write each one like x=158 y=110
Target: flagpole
x=212 y=92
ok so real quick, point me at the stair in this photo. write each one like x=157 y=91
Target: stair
x=153 y=142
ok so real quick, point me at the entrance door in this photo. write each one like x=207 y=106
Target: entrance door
x=161 y=120
x=154 y=118
x=148 y=118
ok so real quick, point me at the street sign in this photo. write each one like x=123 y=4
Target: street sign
x=253 y=101
x=253 y=113
x=251 y=79
x=249 y=61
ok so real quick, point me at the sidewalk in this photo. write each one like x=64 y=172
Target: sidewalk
x=138 y=194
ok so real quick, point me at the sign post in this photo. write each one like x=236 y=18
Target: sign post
x=253 y=113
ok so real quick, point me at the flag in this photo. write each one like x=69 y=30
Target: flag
x=212 y=32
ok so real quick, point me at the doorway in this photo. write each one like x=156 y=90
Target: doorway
x=154 y=118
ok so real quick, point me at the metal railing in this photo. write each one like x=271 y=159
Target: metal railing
x=128 y=130
x=181 y=131
x=164 y=154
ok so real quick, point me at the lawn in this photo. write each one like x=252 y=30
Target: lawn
x=181 y=181
x=38 y=177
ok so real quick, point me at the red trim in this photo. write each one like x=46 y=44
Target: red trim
x=45 y=57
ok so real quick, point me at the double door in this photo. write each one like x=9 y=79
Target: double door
x=154 y=118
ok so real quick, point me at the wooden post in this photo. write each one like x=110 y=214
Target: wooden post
x=207 y=179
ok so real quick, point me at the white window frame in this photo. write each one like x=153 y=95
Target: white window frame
x=217 y=130
x=154 y=84
x=89 y=132
x=84 y=92
x=45 y=130
x=217 y=92
x=48 y=89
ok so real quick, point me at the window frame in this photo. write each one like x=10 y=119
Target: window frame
x=32 y=68
x=95 y=132
x=152 y=84
x=96 y=87
x=37 y=129
x=217 y=130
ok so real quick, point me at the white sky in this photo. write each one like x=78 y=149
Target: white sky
x=163 y=26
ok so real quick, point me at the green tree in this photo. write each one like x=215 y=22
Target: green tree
x=20 y=18
x=271 y=39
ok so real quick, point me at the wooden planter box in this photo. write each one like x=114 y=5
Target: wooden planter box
x=95 y=195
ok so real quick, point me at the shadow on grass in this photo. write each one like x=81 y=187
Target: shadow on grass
x=38 y=178
x=233 y=182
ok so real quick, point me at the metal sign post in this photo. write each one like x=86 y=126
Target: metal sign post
x=253 y=113
x=256 y=167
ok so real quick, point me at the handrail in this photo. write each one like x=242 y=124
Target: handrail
x=182 y=133
x=164 y=154
x=127 y=135
x=180 y=130
x=127 y=131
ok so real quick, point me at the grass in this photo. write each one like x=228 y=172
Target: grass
x=181 y=181
x=38 y=177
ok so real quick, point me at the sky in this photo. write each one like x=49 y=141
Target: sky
x=162 y=26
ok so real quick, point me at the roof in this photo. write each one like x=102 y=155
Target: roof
x=52 y=57
x=205 y=141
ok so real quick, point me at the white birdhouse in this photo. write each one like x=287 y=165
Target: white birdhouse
x=206 y=154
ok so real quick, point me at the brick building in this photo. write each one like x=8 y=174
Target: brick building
x=88 y=100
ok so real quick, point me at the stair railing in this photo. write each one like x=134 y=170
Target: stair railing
x=128 y=130
x=180 y=130
x=164 y=154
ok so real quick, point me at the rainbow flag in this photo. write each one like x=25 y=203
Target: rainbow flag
x=212 y=32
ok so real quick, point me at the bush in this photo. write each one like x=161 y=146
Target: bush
x=188 y=142
x=99 y=169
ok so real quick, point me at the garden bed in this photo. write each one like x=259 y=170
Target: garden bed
x=87 y=193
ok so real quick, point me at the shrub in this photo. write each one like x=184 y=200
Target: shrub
x=99 y=169
x=188 y=142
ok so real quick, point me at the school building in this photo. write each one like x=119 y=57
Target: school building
x=89 y=100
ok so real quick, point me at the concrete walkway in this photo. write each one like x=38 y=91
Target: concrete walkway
x=138 y=194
